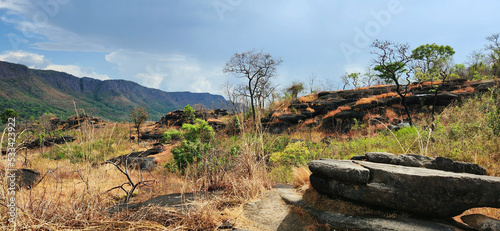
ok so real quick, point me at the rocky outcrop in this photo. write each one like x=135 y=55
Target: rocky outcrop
x=176 y=118
x=417 y=190
x=340 y=110
x=49 y=141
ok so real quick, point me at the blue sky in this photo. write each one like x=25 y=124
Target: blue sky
x=183 y=45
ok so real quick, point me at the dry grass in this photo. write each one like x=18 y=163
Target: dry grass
x=308 y=98
x=301 y=176
x=468 y=89
x=367 y=100
x=336 y=111
x=490 y=212
x=366 y=88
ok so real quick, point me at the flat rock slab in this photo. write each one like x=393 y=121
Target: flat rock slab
x=426 y=192
x=341 y=170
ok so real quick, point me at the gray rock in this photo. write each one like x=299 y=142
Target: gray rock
x=420 y=191
x=341 y=170
x=341 y=221
x=481 y=222
x=411 y=160
x=142 y=163
x=446 y=164
x=380 y=157
x=361 y=157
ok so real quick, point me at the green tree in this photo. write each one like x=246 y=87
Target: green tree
x=258 y=69
x=432 y=60
x=139 y=116
x=390 y=63
x=8 y=113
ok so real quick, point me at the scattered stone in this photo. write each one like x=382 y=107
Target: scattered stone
x=151 y=136
x=481 y=222
x=24 y=178
x=49 y=141
x=138 y=160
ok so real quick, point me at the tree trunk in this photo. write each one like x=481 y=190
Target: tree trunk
x=403 y=100
x=138 y=134
x=252 y=101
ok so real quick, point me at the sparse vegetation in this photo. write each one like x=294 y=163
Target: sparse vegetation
x=239 y=162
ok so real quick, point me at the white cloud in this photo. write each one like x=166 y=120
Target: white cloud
x=37 y=61
x=31 y=60
x=169 y=72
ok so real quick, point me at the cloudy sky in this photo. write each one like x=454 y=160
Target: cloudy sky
x=182 y=45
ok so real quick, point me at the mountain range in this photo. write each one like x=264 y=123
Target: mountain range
x=34 y=92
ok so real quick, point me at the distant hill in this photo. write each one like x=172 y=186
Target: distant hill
x=34 y=92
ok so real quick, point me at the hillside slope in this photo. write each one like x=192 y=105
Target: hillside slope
x=34 y=92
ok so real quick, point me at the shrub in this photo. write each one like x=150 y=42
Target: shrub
x=189 y=113
x=172 y=134
x=197 y=139
x=294 y=154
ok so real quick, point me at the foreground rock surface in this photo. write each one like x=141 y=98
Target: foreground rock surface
x=341 y=221
x=426 y=192
x=481 y=222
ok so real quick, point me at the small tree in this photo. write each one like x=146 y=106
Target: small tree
x=8 y=113
x=189 y=114
x=390 y=62
x=494 y=48
x=257 y=68
x=295 y=89
x=139 y=116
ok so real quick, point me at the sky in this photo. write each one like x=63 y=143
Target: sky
x=183 y=45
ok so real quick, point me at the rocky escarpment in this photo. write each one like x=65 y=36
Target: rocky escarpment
x=338 y=111
x=419 y=185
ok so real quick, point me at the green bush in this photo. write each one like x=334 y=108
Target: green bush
x=294 y=154
x=200 y=130
x=197 y=140
x=172 y=134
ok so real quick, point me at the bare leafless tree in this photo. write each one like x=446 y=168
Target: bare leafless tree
x=258 y=68
x=125 y=171
x=392 y=62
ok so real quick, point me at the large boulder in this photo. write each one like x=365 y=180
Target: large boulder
x=422 y=191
